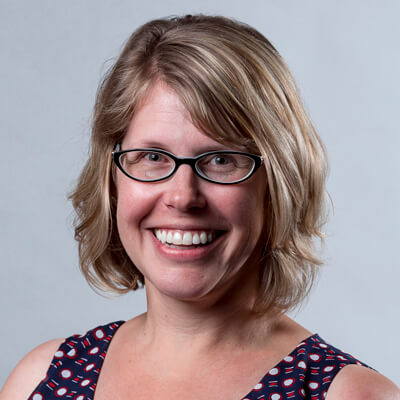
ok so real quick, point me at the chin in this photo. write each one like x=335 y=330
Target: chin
x=184 y=288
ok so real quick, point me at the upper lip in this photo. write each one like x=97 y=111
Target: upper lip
x=186 y=227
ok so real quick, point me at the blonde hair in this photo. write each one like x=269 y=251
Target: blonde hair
x=238 y=90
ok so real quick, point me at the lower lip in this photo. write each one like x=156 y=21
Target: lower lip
x=185 y=254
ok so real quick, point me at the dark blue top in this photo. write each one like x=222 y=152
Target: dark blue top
x=305 y=373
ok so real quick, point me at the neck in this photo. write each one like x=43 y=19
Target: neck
x=206 y=324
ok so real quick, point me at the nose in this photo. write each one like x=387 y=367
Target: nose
x=183 y=190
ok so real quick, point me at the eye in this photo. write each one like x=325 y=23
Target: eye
x=146 y=164
x=218 y=163
x=144 y=158
x=221 y=159
x=140 y=156
x=155 y=157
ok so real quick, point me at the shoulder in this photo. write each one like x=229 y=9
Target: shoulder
x=29 y=371
x=356 y=382
x=32 y=369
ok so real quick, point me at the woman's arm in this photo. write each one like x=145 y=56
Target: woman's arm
x=355 y=382
x=29 y=371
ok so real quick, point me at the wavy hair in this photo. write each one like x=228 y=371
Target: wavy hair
x=237 y=90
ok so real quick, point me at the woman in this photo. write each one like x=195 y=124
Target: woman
x=205 y=183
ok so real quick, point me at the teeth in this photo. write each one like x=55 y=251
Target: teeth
x=168 y=237
x=196 y=238
x=184 y=238
x=187 y=238
x=177 y=238
x=203 y=238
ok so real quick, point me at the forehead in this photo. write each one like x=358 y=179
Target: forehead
x=161 y=104
x=161 y=119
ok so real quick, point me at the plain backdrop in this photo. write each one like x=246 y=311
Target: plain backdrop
x=345 y=57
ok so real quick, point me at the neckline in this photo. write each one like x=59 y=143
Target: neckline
x=263 y=380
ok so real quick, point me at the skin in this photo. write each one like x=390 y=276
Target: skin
x=186 y=202
x=199 y=317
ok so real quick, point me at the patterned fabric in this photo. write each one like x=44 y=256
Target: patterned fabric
x=76 y=365
x=305 y=373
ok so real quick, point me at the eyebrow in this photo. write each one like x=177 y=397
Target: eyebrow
x=164 y=146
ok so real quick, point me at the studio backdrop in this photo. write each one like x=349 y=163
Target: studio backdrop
x=346 y=60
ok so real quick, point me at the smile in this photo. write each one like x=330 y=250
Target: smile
x=184 y=238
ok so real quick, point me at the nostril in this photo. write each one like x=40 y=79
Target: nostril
x=185 y=197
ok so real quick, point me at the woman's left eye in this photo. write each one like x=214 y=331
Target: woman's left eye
x=220 y=160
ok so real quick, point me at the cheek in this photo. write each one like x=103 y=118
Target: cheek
x=243 y=208
x=134 y=202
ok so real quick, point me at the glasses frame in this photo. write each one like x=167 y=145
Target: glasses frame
x=192 y=161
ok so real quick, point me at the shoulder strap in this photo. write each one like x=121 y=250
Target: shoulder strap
x=306 y=373
x=76 y=365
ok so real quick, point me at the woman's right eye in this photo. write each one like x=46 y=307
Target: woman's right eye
x=138 y=157
x=148 y=156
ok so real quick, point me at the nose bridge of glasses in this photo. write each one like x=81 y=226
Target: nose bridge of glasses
x=190 y=161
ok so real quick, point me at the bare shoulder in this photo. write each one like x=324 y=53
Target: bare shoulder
x=360 y=383
x=29 y=371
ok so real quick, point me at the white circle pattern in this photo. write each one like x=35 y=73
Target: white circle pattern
x=89 y=367
x=99 y=333
x=301 y=364
x=329 y=368
x=85 y=382
x=274 y=371
x=313 y=385
x=61 y=391
x=288 y=382
x=275 y=396
x=59 y=354
x=72 y=353
x=66 y=373
x=94 y=350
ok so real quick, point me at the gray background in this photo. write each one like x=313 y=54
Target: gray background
x=346 y=60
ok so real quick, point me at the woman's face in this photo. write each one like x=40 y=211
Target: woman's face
x=232 y=215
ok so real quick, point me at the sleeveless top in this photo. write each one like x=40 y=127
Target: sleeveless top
x=305 y=373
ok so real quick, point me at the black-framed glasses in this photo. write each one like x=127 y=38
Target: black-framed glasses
x=224 y=167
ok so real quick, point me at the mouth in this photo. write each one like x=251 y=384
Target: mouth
x=186 y=238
